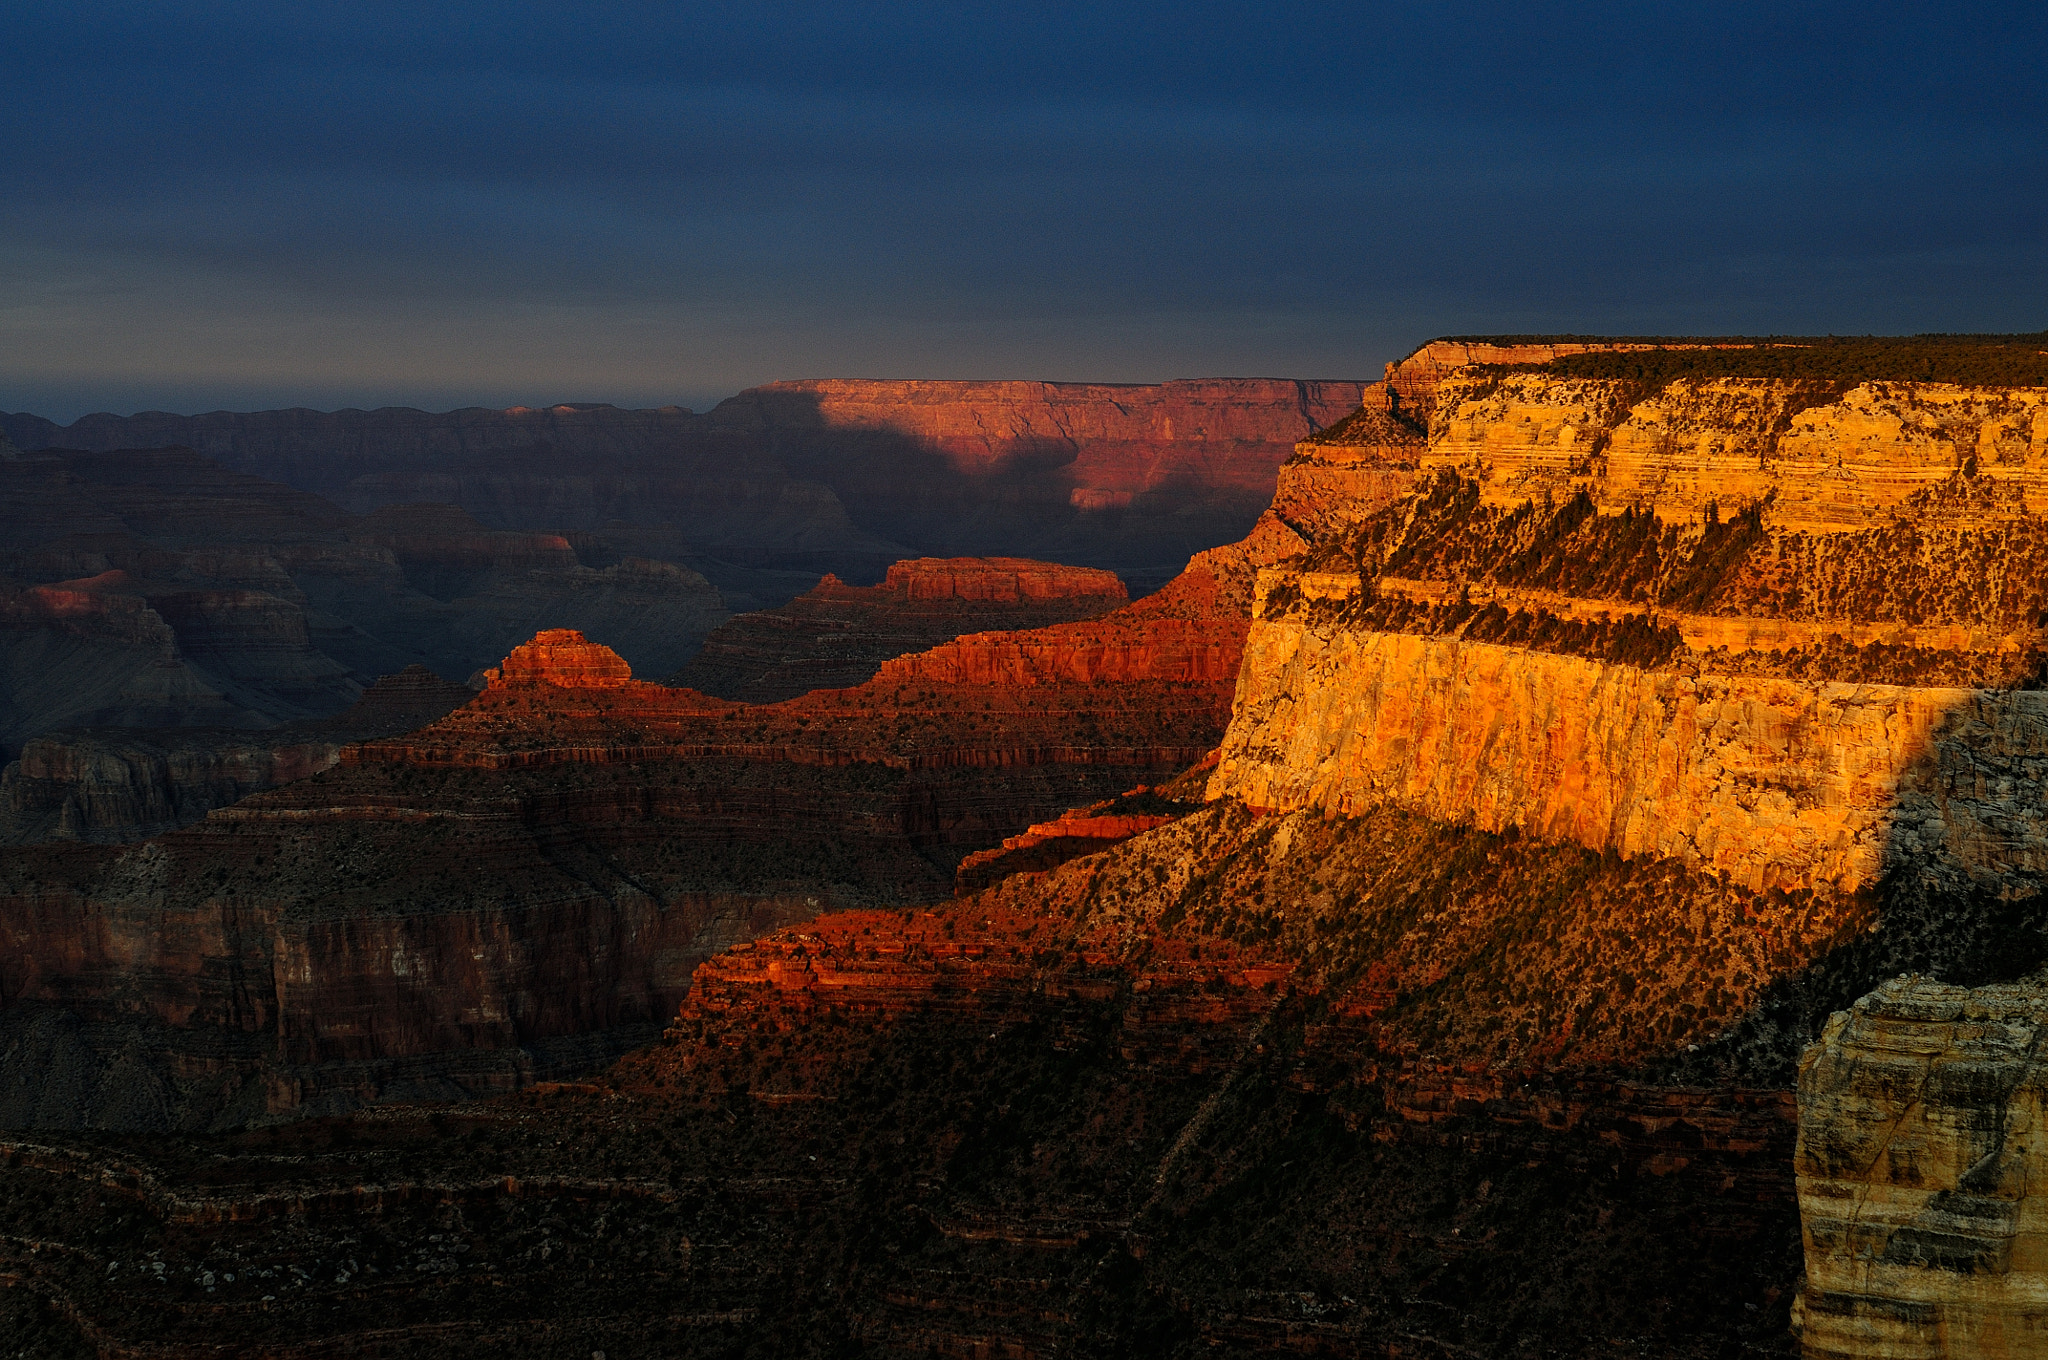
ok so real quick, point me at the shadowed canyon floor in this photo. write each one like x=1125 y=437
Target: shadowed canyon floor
x=1122 y=1108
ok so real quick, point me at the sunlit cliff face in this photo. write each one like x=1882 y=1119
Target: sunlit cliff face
x=1566 y=627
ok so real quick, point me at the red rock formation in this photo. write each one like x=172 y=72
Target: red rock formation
x=544 y=865
x=562 y=657
x=1043 y=845
x=1001 y=580
x=836 y=636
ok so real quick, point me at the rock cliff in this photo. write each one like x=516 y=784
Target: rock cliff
x=1771 y=781
x=1538 y=615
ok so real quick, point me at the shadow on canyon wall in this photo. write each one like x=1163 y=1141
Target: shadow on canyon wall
x=762 y=494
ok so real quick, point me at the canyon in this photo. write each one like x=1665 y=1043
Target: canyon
x=1466 y=916
x=784 y=482
x=523 y=887
x=157 y=589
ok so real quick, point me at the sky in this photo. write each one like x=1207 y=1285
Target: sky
x=240 y=206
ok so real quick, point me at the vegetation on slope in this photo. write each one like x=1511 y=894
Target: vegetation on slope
x=1846 y=361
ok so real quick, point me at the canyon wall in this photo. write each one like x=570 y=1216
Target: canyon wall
x=1828 y=460
x=125 y=784
x=1660 y=620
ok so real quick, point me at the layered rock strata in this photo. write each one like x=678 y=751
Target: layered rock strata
x=1921 y=1142
x=1554 y=625
x=1107 y=1108
x=1769 y=781
x=1367 y=1067
x=836 y=636
x=1079 y=831
x=1828 y=461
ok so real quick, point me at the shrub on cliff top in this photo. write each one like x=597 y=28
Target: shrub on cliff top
x=1983 y=361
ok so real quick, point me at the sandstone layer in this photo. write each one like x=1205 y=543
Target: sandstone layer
x=1769 y=781
x=1923 y=1130
x=1827 y=461
x=1783 y=628
x=836 y=636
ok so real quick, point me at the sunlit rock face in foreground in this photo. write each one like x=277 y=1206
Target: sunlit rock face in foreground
x=1923 y=1145
x=1790 y=629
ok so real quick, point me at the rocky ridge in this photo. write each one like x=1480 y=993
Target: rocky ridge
x=836 y=636
x=644 y=827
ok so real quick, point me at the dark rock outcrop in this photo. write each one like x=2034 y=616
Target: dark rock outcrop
x=125 y=784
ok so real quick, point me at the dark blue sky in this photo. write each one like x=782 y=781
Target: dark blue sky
x=264 y=204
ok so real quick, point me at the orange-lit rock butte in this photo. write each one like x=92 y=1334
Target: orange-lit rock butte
x=1775 y=626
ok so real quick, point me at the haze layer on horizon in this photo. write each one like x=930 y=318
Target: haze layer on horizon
x=227 y=205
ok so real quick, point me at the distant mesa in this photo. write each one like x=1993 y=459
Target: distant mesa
x=1003 y=580
x=836 y=636
x=565 y=658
